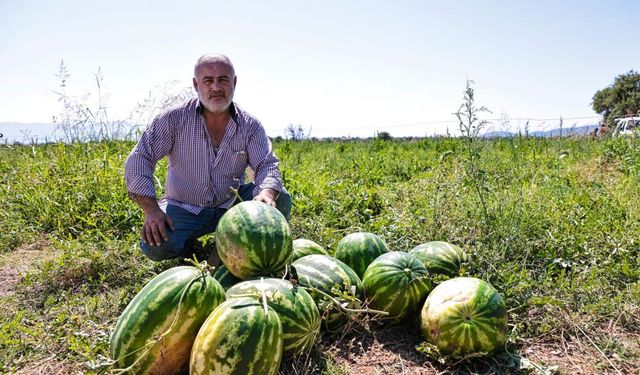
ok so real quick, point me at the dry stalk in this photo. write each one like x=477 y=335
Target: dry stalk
x=571 y=321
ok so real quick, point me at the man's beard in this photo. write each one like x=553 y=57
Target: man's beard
x=214 y=107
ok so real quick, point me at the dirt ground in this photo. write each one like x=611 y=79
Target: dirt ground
x=393 y=351
x=370 y=349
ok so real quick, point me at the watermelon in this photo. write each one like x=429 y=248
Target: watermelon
x=224 y=277
x=297 y=311
x=302 y=247
x=254 y=239
x=396 y=282
x=240 y=337
x=334 y=278
x=358 y=250
x=152 y=312
x=464 y=315
x=440 y=257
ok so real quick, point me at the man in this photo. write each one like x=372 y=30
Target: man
x=603 y=129
x=209 y=142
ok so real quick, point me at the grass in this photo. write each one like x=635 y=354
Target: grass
x=553 y=224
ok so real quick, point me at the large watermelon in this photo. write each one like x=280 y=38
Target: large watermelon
x=358 y=250
x=224 y=277
x=440 y=257
x=334 y=278
x=240 y=337
x=465 y=315
x=297 y=311
x=302 y=247
x=396 y=282
x=254 y=239
x=151 y=316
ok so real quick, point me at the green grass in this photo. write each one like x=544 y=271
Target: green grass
x=553 y=224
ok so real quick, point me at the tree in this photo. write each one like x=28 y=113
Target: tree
x=619 y=99
x=384 y=136
x=296 y=132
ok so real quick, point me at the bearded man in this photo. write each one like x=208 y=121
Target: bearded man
x=209 y=142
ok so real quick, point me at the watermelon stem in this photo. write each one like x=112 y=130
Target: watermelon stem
x=263 y=297
x=346 y=310
x=235 y=191
x=203 y=266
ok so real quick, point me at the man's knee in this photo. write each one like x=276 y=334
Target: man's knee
x=283 y=203
x=166 y=250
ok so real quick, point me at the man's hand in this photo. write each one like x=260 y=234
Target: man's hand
x=156 y=222
x=154 y=230
x=267 y=196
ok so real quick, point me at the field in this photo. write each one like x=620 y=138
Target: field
x=553 y=224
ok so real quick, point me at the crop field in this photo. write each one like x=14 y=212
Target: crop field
x=553 y=224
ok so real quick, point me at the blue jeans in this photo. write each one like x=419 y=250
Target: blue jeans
x=188 y=226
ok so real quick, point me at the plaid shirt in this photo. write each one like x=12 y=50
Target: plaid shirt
x=199 y=176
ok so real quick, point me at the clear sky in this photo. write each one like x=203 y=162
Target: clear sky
x=341 y=68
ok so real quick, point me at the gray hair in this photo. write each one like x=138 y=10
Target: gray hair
x=212 y=59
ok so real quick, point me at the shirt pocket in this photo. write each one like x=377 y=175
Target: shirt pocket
x=238 y=163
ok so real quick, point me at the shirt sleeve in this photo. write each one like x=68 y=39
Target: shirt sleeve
x=156 y=142
x=263 y=161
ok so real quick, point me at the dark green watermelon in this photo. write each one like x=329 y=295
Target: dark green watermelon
x=396 y=282
x=358 y=250
x=440 y=257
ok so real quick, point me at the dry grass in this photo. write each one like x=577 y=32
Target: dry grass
x=14 y=265
x=51 y=366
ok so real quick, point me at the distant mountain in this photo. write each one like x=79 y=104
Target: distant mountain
x=26 y=132
x=498 y=134
x=38 y=132
x=577 y=130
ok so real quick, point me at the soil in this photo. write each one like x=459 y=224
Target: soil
x=367 y=348
x=14 y=265
x=392 y=350
x=50 y=366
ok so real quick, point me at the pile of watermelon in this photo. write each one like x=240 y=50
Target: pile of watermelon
x=272 y=296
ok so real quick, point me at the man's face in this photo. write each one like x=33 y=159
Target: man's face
x=215 y=83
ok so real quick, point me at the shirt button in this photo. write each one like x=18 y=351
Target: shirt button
x=228 y=196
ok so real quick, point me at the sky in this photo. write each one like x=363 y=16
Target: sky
x=337 y=68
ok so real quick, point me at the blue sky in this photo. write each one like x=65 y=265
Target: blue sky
x=338 y=67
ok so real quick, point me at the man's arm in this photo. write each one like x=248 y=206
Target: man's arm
x=155 y=143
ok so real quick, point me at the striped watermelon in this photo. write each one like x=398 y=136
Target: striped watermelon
x=396 y=282
x=254 y=239
x=297 y=311
x=440 y=257
x=302 y=247
x=240 y=337
x=465 y=315
x=333 y=277
x=151 y=314
x=224 y=277
x=358 y=250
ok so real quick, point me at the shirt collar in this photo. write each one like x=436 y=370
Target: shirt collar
x=233 y=110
